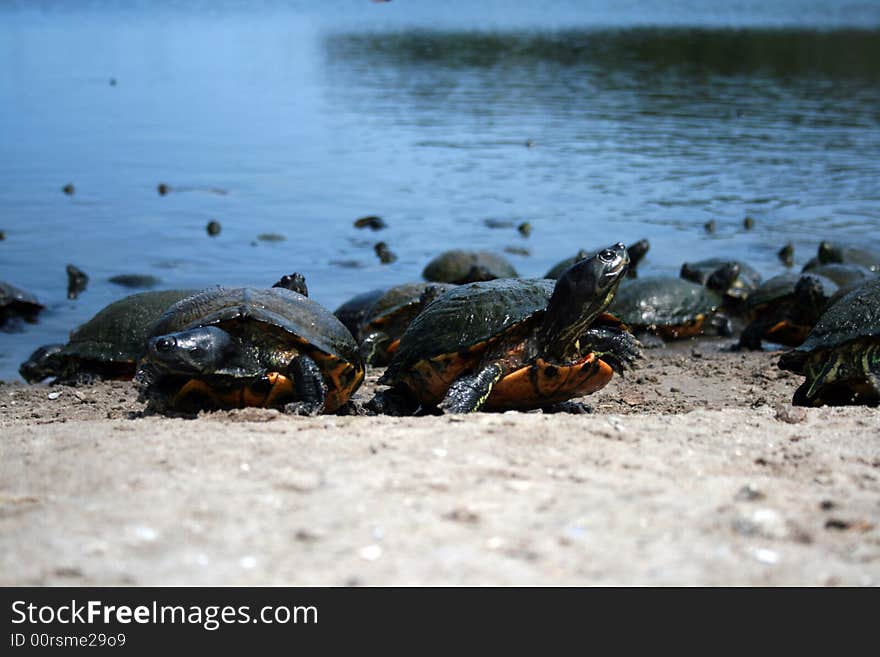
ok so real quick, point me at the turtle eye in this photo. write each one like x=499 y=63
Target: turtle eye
x=164 y=344
x=606 y=255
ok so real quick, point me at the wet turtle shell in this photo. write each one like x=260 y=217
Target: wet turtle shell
x=671 y=308
x=841 y=356
x=15 y=302
x=451 y=336
x=459 y=266
x=388 y=318
x=352 y=312
x=271 y=328
x=105 y=347
x=738 y=287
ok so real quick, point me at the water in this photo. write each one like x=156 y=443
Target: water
x=647 y=119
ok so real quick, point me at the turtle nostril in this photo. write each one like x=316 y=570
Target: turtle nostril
x=164 y=344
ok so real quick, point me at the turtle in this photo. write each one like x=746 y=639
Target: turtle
x=234 y=347
x=829 y=252
x=105 y=347
x=635 y=251
x=514 y=344
x=734 y=279
x=385 y=322
x=459 y=266
x=784 y=308
x=670 y=308
x=15 y=302
x=841 y=356
x=352 y=312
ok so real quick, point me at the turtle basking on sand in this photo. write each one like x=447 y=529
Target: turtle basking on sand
x=459 y=266
x=841 y=356
x=513 y=343
x=15 y=302
x=635 y=251
x=105 y=347
x=670 y=308
x=384 y=323
x=226 y=348
x=785 y=308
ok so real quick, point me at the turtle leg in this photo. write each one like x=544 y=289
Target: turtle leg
x=722 y=325
x=311 y=391
x=751 y=337
x=617 y=347
x=392 y=402
x=373 y=347
x=468 y=393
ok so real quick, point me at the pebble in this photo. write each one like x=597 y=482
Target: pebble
x=790 y=414
x=749 y=493
x=54 y=395
x=370 y=552
x=766 y=556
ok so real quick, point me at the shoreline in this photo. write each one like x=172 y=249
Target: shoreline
x=717 y=482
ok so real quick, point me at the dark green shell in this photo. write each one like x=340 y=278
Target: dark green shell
x=296 y=315
x=118 y=332
x=855 y=316
x=469 y=315
x=846 y=277
x=400 y=300
x=455 y=266
x=773 y=290
x=352 y=312
x=662 y=301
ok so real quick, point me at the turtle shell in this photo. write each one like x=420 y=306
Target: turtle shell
x=670 y=307
x=841 y=355
x=772 y=290
x=274 y=325
x=854 y=316
x=458 y=266
x=452 y=333
x=16 y=302
x=352 y=312
x=110 y=343
x=392 y=313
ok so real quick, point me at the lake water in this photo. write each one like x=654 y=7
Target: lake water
x=645 y=119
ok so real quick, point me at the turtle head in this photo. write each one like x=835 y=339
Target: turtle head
x=45 y=361
x=196 y=351
x=636 y=252
x=829 y=253
x=581 y=293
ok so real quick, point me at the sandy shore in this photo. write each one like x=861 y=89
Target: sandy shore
x=693 y=470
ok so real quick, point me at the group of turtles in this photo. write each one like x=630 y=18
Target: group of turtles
x=475 y=336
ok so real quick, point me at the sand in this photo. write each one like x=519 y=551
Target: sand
x=692 y=470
